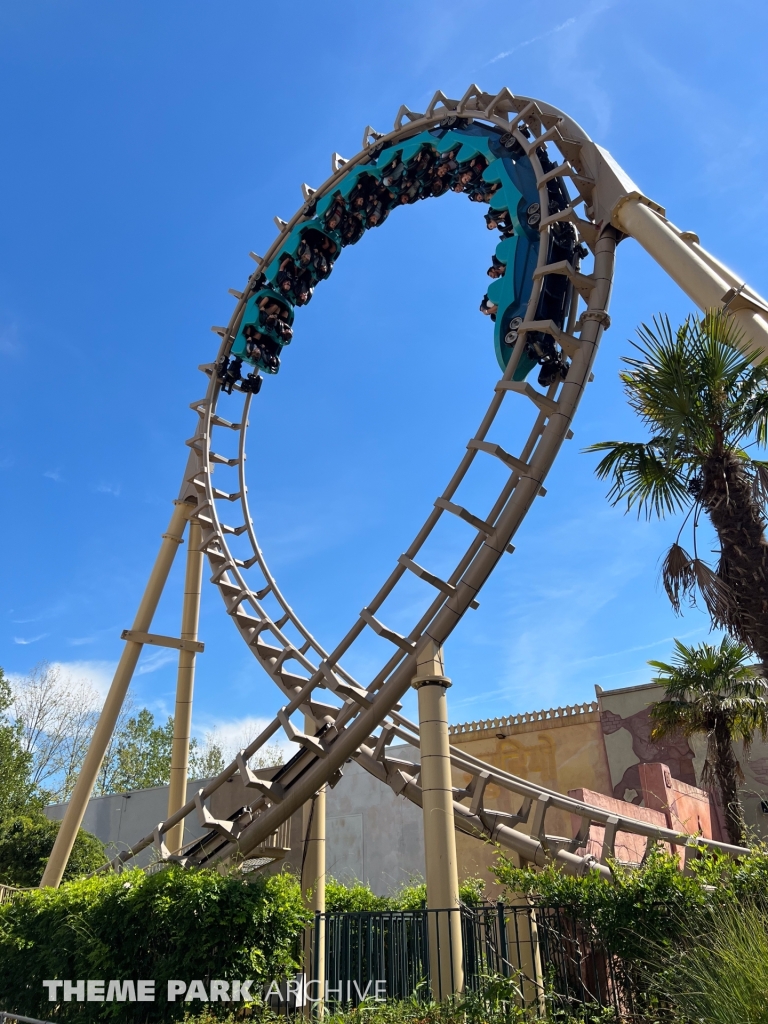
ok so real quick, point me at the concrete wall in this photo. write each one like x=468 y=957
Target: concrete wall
x=561 y=748
x=123 y=818
x=626 y=726
x=372 y=835
x=628 y=847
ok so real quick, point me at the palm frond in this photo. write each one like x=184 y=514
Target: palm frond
x=642 y=477
x=759 y=481
x=678 y=575
x=698 y=384
x=671 y=716
x=659 y=385
x=718 y=596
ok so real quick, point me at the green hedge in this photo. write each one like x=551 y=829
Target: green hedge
x=176 y=923
x=356 y=896
x=651 y=906
x=26 y=842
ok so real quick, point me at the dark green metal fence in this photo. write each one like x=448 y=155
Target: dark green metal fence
x=545 y=953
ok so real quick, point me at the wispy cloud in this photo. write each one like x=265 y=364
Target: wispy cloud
x=80 y=641
x=113 y=489
x=9 y=343
x=28 y=640
x=532 y=40
x=233 y=734
x=155 y=660
x=98 y=673
x=53 y=474
x=641 y=647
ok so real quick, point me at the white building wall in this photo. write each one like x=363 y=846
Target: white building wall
x=373 y=835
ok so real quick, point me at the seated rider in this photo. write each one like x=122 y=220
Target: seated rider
x=358 y=197
x=335 y=213
x=484 y=192
x=500 y=219
x=488 y=307
x=463 y=180
x=446 y=166
x=303 y=289
x=496 y=268
x=229 y=373
x=325 y=251
x=261 y=349
x=304 y=253
x=422 y=164
x=393 y=172
x=286 y=275
x=273 y=317
x=375 y=213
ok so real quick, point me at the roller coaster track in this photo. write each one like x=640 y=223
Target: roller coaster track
x=359 y=719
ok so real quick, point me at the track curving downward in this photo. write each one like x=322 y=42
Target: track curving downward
x=500 y=148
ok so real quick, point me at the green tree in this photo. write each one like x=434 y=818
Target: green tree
x=26 y=842
x=17 y=791
x=140 y=756
x=207 y=761
x=704 y=404
x=713 y=690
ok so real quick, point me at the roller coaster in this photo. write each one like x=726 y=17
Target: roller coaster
x=557 y=205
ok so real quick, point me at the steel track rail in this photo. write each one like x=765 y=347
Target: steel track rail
x=300 y=669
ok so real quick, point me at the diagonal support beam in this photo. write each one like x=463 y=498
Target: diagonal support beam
x=81 y=794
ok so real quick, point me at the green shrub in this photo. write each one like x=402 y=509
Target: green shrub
x=341 y=898
x=650 y=916
x=25 y=846
x=357 y=896
x=639 y=906
x=176 y=923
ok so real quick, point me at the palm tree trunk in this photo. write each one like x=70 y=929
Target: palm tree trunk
x=728 y=498
x=726 y=770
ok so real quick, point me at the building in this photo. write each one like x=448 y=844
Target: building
x=594 y=751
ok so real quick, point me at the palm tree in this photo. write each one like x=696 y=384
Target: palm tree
x=713 y=690
x=704 y=404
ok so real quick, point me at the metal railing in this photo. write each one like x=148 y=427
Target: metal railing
x=9 y=892
x=24 y=1020
x=547 y=955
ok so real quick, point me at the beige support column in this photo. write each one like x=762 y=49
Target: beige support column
x=185 y=685
x=81 y=794
x=699 y=279
x=445 y=947
x=313 y=887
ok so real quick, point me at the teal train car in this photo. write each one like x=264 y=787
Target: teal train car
x=478 y=160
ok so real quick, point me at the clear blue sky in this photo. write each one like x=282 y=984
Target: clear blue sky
x=147 y=147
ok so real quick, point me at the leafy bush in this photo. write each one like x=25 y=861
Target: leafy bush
x=341 y=898
x=176 y=923
x=661 y=922
x=642 y=905
x=26 y=843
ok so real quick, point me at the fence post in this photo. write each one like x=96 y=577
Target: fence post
x=503 y=948
x=313 y=873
